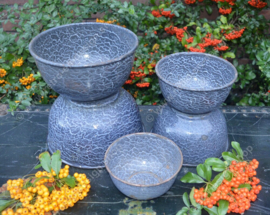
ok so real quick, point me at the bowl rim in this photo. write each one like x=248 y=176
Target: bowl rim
x=144 y=133
x=197 y=53
x=36 y=57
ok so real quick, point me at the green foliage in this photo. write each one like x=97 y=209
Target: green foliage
x=252 y=84
x=48 y=162
x=210 y=186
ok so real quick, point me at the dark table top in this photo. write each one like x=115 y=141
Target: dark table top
x=23 y=138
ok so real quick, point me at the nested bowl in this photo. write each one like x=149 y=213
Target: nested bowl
x=143 y=165
x=195 y=82
x=85 y=61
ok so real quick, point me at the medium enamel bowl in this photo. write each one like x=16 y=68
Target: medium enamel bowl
x=143 y=165
x=195 y=83
x=85 y=61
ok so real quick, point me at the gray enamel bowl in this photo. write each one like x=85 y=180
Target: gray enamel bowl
x=143 y=165
x=195 y=82
x=85 y=61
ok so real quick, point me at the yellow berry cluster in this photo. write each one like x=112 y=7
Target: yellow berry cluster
x=28 y=80
x=28 y=87
x=103 y=21
x=3 y=73
x=4 y=83
x=17 y=63
x=38 y=200
x=109 y=22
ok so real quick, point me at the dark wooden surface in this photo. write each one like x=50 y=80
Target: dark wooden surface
x=23 y=138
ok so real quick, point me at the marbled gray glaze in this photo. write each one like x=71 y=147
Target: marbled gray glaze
x=198 y=136
x=195 y=82
x=143 y=165
x=84 y=131
x=85 y=61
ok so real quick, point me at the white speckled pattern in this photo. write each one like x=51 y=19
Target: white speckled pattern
x=143 y=165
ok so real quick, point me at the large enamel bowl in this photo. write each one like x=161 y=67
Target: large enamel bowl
x=143 y=165
x=85 y=61
x=83 y=131
x=195 y=82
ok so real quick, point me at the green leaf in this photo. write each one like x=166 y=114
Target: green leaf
x=215 y=163
x=228 y=175
x=192 y=178
x=229 y=157
x=194 y=211
x=37 y=166
x=223 y=207
x=223 y=19
x=208 y=171
x=211 y=211
x=215 y=183
x=229 y=54
x=248 y=186
x=201 y=170
x=70 y=181
x=5 y=203
x=5 y=194
x=183 y=211
x=208 y=9
x=238 y=149
x=56 y=162
x=186 y=200
x=50 y=189
x=191 y=197
x=45 y=161
x=192 y=200
x=26 y=103
x=153 y=2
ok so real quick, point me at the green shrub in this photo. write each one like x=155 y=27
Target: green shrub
x=162 y=29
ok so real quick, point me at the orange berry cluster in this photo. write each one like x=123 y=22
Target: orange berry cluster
x=234 y=34
x=179 y=32
x=190 y=1
x=239 y=198
x=52 y=96
x=189 y=40
x=17 y=63
x=38 y=200
x=257 y=3
x=141 y=85
x=156 y=13
x=207 y=41
x=3 y=73
x=221 y=48
x=167 y=14
x=28 y=80
x=170 y=30
x=230 y=2
x=225 y=11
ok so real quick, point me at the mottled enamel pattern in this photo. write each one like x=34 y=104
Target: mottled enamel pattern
x=198 y=136
x=195 y=82
x=84 y=131
x=85 y=61
x=143 y=165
